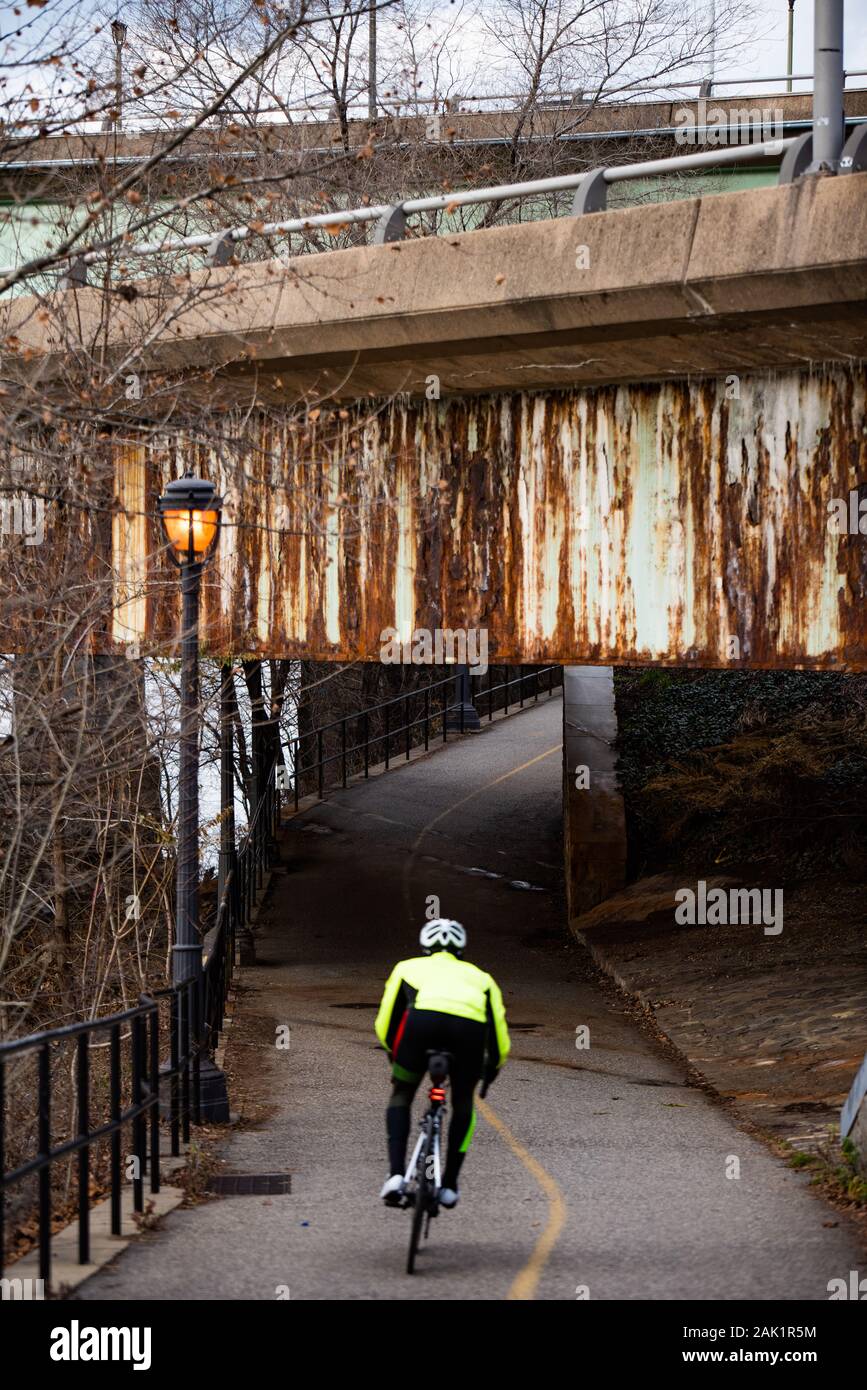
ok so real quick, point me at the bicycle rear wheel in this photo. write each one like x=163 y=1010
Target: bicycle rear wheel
x=422 y=1201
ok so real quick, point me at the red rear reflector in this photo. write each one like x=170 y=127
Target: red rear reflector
x=437 y=1093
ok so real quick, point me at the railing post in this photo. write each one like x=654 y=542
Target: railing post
x=343 y=749
x=197 y=1041
x=320 y=751
x=155 y=1097
x=251 y=879
x=426 y=717
x=390 y=227
x=296 y=774
x=591 y=195
x=407 y=731
x=175 y=1068
x=366 y=744
x=186 y=1037
x=138 y=1145
x=114 y=1115
x=45 y=1171
x=387 y=734
x=83 y=1089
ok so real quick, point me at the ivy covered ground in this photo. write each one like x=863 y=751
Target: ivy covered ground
x=724 y=770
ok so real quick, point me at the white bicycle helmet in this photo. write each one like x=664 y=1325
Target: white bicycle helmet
x=442 y=934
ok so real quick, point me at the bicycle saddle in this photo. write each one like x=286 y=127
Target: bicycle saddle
x=438 y=1063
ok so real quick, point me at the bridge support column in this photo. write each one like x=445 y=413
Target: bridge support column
x=594 y=824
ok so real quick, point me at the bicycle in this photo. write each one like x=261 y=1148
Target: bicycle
x=423 y=1178
x=422 y=1181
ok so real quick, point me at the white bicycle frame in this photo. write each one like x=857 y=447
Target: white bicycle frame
x=413 y=1163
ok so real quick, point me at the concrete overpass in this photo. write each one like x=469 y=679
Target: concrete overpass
x=42 y=166
x=643 y=416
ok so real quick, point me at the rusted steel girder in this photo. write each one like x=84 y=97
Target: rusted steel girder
x=674 y=523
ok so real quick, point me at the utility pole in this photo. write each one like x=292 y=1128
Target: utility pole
x=789 y=45
x=118 y=33
x=371 y=65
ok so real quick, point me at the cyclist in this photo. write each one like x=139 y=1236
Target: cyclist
x=437 y=1000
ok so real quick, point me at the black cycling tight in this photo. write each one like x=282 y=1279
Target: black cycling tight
x=464 y=1038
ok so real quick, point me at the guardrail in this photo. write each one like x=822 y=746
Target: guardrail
x=424 y=711
x=590 y=188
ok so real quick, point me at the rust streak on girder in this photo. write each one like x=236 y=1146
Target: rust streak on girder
x=673 y=523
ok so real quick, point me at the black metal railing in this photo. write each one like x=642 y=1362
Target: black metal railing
x=413 y=718
x=140 y=1089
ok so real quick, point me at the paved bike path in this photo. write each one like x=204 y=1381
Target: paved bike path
x=597 y=1169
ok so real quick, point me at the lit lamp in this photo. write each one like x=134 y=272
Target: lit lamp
x=189 y=510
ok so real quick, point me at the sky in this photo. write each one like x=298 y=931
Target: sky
x=766 y=54
x=769 y=52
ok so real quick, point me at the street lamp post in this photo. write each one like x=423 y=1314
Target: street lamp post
x=463 y=717
x=118 y=33
x=371 y=65
x=190 y=512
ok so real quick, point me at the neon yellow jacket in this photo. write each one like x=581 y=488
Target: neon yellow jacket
x=446 y=985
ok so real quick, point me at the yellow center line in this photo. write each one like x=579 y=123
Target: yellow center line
x=407 y=869
x=504 y=777
x=525 y=1283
